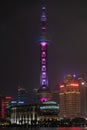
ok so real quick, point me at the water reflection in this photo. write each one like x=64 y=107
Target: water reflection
x=48 y=129
x=72 y=128
x=64 y=128
x=44 y=128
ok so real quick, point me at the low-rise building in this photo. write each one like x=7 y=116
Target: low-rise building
x=28 y=114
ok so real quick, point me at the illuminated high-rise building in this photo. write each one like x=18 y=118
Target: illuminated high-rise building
x=22 y=95
x=69 y=97
x=44 y=90
x=2 y=106
x=8 y=100
x=83 y=94
x=7 y=106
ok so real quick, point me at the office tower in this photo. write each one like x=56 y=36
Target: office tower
x=22 y=95
x=44 y=90
x=7 y=106
x=7 y=101
x=2 y=107
x=69 y=97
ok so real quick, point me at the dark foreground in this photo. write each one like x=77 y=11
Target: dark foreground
x=45 y=128
x=76 y=122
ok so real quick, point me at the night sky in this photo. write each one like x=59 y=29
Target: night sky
x=19 y=47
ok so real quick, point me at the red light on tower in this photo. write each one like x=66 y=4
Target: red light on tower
x=62 y=86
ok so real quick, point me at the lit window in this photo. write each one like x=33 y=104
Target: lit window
x=43 y=68
x=43 y=61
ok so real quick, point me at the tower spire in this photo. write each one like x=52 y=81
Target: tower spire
x=44 y=89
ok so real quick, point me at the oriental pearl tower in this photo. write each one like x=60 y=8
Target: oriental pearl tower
x=44 y=92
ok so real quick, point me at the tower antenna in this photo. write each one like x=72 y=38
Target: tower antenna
x=44 y=90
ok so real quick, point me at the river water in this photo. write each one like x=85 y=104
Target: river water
x=59 y=128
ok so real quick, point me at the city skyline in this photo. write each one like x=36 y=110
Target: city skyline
x=20 y=52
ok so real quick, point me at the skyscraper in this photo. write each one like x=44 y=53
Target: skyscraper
x=7 y=105
x=22 y=95
x=69 y=97
x=83 y=95
x=44 y=90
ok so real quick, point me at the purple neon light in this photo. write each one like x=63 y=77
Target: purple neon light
x=43 y=28
x=44 y=75
x=43 y=47
x=43 y=82
x=43 y=61
x=43 y=43
x=43 y=54
x=74 y=75
x=43 y=99
x=43 y=68
x=43 y=7
x=43 y=18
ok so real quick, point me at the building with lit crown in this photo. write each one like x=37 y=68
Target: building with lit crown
x=69 y=97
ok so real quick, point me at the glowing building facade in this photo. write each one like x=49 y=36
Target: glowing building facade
x=44 y=92
x=22 y=95
x=83 y=94
x=2 y=113
x=7 y=105
x=69 y=98
x=33 y=114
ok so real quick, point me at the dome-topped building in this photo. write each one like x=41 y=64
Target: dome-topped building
x=48 y=110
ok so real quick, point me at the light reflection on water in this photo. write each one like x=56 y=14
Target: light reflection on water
x=72 y=128
x=62 y=128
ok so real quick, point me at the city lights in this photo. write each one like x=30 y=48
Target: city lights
x=43 y=99
x=43 y=43
x=82 y=83
x=43 y=90
x=61 y=86
x=8 y=97
x=74 y=84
